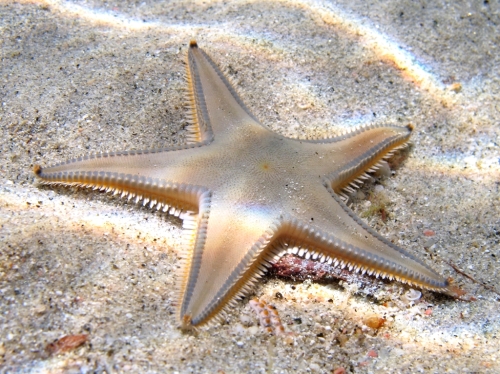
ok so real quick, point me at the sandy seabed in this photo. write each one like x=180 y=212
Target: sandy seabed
x=89 y=76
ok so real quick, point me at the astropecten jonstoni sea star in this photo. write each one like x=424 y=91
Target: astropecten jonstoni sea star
x=247 y=194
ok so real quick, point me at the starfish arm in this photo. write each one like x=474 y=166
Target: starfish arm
x=128 y=175
x=215 y=108
x=336 y=234
x=235 y=253
x=353 y=154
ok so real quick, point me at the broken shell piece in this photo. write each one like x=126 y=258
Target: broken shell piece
x=268 y=316
x=411 y=296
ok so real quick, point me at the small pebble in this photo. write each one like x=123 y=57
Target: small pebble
x=429 y=233
x=374 y=322
x=314 y=367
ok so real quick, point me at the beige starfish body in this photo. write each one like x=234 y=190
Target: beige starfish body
x=248 y=194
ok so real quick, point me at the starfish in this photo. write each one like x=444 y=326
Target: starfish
x=248 y=195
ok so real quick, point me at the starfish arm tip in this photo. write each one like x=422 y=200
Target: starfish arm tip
x=37 y=169
x=186 y=323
